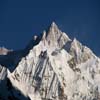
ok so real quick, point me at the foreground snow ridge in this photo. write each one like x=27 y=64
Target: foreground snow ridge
x=55 y=68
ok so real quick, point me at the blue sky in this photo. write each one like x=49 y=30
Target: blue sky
x=21 y=19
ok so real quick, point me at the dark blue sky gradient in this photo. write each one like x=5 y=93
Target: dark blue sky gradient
x=21 y=19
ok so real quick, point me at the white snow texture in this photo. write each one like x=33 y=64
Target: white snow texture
x=57 y=68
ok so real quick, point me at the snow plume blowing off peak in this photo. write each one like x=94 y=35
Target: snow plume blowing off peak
x=51 y=67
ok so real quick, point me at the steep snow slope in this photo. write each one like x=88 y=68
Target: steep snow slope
x=57 y=68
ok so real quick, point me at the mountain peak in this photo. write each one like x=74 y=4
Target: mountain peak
x=53 y=27
x=53 y=24
x=4 y=51
x=76 y=43
x=44 y=35
x=55 y=37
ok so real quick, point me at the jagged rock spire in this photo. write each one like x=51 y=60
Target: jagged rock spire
x=55 y=37
x=44 y=35
x=54 y=25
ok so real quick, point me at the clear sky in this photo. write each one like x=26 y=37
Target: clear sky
x=21 y=19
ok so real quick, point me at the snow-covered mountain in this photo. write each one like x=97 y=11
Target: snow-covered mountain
x=51 y=67
x=4 y=51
